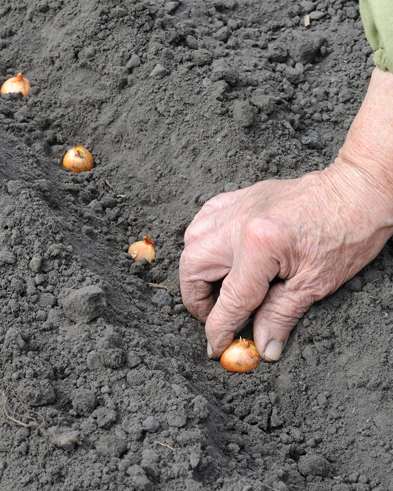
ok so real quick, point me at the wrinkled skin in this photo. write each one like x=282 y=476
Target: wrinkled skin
x=313 y=233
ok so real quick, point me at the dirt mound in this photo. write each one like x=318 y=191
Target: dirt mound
x=104 y=377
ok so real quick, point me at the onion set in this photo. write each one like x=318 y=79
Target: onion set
x=16 y=84
x=78 y=159
x=142 y=249
x=240 y=356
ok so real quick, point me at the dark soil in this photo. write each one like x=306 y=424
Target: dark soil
x=105 y=383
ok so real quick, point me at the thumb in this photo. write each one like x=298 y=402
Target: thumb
x=277 y=316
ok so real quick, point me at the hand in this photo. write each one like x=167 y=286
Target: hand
x=314 y=233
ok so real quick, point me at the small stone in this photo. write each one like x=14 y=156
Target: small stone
x=12 y=336
x=133 y=360
x=84 y=401
x=313 y=465
x=223 y=34
x=310 y=354
x=352 y=12
x=307 y=6
x=110 y=446
x=201 y=409
x=305 y=47
x=179 y=308
x=243 y=114
x=340 y=487
x=151 y=424
x=202 y=57
x=37 y=392
x=170 y=7
x=219 y=89
x=263 y=101
x=55 y=318
x=189 y=437
x=162 y=298
x=6 y=257
x=150 y=456
x=47 y=300
x=136 y=470
x=317 y=15
x=159 y=71
x=294 y=75
x=64 y=438
x=119 y=12
x=276 y=419
x=192 y=42
x=35 y=264
x=41 y=316
x=112 y=357
x=353 y=477
x=138 y=476
x=149 y=462
x=221 y=70
x=93 y=361
x=15 y=187
x=83 y=304
x=277 y=53
x=177 y=419
x=105 y=417
x=233 y=25
x=96 y=206
x=133 y=62
x=320 y=93
x=322 y=400
x=134 y=431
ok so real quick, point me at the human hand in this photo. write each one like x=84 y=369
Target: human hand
x=314 y=233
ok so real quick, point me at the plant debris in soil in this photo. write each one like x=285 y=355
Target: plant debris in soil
x=105 y=382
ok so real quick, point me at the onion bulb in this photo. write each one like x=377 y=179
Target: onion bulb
x=240 y=356
x=78 y=159
x=143 y=248
x=16 y=84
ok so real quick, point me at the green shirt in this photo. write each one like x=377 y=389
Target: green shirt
x=377 y=18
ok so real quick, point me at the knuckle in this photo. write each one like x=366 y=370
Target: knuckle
x=189 y=234
x=260 y=231
x=211 y=205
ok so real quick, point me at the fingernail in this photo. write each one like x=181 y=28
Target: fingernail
x=273 y=350
x=209 y=350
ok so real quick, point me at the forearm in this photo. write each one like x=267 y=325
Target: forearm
x=370 y=138
x=368 y=148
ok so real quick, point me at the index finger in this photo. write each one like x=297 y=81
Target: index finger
x=202 y=263
x=242 y=291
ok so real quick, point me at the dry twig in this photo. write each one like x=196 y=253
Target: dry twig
x=163 y=287
x=164 y=445
x=29 y=412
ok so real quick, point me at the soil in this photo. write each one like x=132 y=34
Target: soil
x=105 y=382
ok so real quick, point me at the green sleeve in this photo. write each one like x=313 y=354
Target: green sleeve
x=377 y=18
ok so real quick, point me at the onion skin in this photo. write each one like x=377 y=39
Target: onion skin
x=142 y=249
x=78 y=159
x=241 y=356
x=16 y=84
